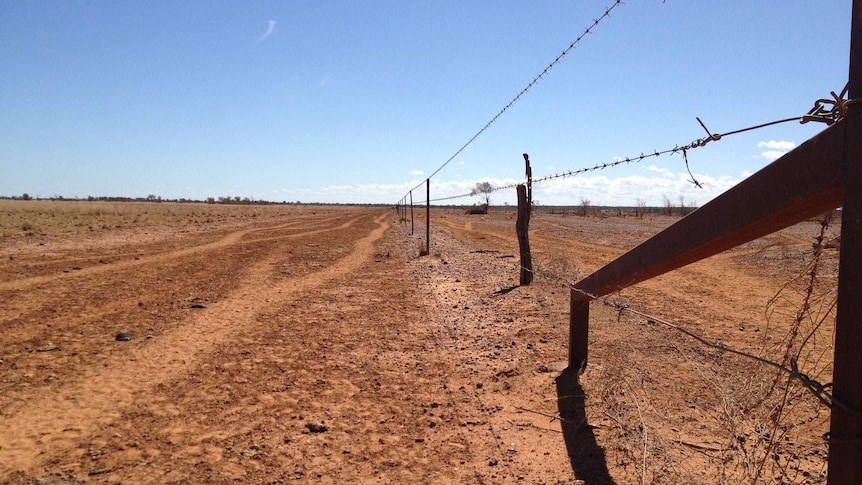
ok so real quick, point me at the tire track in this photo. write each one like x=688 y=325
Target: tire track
x=55 y=420
x=233 y=238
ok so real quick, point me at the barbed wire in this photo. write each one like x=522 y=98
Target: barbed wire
x=814 y=387
x=698 y=143
x=535 y=80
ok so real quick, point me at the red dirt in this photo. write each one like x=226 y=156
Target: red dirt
x=328 y=351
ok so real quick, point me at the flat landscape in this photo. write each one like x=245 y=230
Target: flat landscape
x=281 y=344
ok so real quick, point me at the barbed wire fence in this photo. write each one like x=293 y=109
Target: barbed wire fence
x=770 y=402
x=765 y=400
x=761 y=408
x=677 y=149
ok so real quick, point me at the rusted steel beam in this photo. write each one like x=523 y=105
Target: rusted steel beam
x=845 y=436
x=804 y=183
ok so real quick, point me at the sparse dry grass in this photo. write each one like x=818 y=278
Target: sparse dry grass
x=43 y=217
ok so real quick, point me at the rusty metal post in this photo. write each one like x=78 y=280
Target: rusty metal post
x=411 y=212
x=529 y=182
x=845 y=438
x=428 y=216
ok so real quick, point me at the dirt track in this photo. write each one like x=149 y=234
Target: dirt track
x=327 y=351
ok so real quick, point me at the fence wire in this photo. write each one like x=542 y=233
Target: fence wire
x=524 y=91
x=619 y=305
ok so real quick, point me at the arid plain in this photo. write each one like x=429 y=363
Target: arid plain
x=276 y=344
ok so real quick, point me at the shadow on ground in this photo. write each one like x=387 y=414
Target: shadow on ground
x=586 y=456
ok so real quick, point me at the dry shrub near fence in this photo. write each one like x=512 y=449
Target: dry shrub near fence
x=668 y=409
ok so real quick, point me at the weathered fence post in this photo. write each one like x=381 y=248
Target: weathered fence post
x=522 y=226
x=845 y=437
x=411 y=212
x=579 y=331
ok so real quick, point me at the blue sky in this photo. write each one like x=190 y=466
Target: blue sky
x=349 y=101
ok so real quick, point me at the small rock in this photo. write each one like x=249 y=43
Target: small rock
x=198 y=305
x=479 y=385
x=124 y=337
x=48 y=347
x=316 y=427
x=492 y=462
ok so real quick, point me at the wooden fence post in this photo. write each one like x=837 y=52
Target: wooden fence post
x=522 y=226
x=845 y=437
x=579 y=331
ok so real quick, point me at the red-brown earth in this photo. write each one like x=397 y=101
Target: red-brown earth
x=314 y=344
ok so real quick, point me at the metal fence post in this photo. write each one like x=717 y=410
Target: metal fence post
x=428 y=216
x=411 y=212
x=845 y=438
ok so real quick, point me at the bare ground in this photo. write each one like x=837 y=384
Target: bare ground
x=317 y=346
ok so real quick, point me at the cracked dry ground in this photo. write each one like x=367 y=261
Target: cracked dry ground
x=315 y=347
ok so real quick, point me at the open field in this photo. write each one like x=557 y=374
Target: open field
x=277 y=344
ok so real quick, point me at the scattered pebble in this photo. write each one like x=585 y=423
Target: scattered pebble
x=123 y=337
x=316 y=427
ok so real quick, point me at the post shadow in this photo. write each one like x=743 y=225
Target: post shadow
x=586 y=456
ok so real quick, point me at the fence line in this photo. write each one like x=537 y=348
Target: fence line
x=788 y=367
x=700 y=142
x=621 y=306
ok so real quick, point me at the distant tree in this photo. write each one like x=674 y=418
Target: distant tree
x=26 y=196
x=640 y=207
x=668 y=205
x=585 y=207
x=484 y=190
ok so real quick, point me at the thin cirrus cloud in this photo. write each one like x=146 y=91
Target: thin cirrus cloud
x=270 y=29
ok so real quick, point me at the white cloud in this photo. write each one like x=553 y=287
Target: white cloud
x=776 y=149
x=417 y=172
x=600 y=190
x=462 y=162
x=654 y=168
x=270 y=29
x=777 y=145
x=772 y=155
